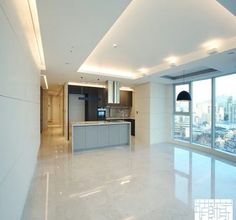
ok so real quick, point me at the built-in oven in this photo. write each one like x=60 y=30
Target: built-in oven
x=101 y=113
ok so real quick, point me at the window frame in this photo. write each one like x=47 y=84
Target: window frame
x=178 y=113
x=190 y=114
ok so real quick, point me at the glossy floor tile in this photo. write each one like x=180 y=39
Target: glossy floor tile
x=158 y=182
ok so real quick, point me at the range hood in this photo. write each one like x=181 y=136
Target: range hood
x=113 y=88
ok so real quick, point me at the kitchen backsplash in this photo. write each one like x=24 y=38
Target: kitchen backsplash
x=118 y=112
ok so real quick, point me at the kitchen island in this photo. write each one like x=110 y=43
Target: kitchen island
x=99 y=134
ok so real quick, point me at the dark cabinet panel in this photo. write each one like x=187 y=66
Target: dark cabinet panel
x=102 y=97
x=78 y=90
x=91 y=104
x=132 y=121
x=126 y=98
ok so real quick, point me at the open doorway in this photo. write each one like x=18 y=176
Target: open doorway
x=53 y=108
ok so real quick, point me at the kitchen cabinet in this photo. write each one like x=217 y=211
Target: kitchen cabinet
x=92 y=135
x=125 y=98
x=102 y=97
x=91 y=104
x=132 y=121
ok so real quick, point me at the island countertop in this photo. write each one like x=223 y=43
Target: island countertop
x=94 y=123
x=98 y=134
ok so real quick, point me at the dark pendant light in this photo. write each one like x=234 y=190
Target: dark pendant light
x=184 y=95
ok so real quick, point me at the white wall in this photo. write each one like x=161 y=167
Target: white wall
x=161 y=112
x=19 y=117
x=76 y=108
x=142 y=113
x=153 y=118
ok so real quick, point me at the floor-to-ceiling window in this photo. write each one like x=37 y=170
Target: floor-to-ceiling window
x=225 y=113
x=201 y=112
x=198 y=122
x=182 y=116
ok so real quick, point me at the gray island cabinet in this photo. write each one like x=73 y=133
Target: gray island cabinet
x=98 y=134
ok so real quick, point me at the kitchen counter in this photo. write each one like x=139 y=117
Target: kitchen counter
x=120 y=118
x=99 y=134
x=128 y=119
x=98 y=123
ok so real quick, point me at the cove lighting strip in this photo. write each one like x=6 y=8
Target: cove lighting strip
x=87 y=84
x=45 y=80
x=123 y=88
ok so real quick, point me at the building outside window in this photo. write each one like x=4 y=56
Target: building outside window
x=225 y=113
x=201 y=114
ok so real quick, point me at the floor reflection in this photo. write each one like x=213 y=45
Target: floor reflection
x=199 y=176
x=146 y=182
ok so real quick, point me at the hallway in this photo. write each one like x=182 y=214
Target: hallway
x=147 y=182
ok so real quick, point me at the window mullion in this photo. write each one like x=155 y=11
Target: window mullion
x=213 y=109
x=191 y=113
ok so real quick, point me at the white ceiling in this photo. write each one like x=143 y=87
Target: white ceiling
x=70 y=30
x=146 y=33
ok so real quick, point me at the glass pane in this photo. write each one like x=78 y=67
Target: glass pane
x=182 y=128
x=181 y=106
x=201 y=104
x=225 y=113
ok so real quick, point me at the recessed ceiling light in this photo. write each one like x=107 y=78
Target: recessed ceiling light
x=212 y=46
x=114 y=45
x=143 y=70
x=172 y=60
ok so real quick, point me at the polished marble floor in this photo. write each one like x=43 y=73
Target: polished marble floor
x=158 y=182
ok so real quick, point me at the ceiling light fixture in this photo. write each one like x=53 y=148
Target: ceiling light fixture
x=172 y=61
x=143 y=70
x=184 y=95
x=114 y=45
x=212 y=46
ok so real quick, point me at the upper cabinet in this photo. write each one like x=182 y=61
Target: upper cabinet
x=125 y=98
x=97 y=97
x=102 y=97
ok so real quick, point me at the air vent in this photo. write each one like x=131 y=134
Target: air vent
x=192 y=74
